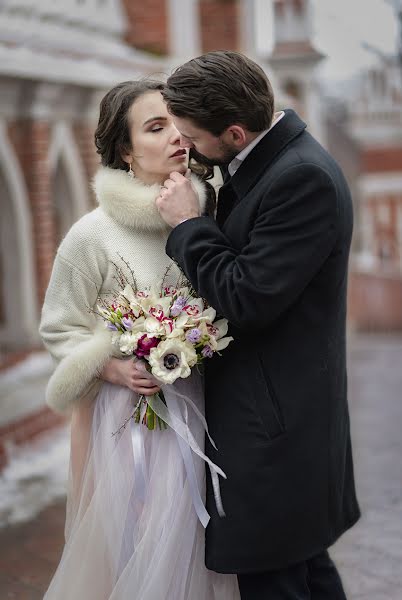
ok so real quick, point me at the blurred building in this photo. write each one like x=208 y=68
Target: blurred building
x=56 y=60
x=365 y=135
x=58 y=57
x=293 y=63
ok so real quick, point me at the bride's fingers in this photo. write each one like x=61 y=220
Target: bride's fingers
x=144 y=382
x=146 y=391
x=140 y=370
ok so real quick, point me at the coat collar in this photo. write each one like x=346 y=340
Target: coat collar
x=131 y=202
x=288 y=128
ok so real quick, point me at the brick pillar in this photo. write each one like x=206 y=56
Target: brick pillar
x=31 y=140
x=84 y=136
x=220 y=24
x=148 y=25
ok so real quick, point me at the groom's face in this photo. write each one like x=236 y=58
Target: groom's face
x=206 y=148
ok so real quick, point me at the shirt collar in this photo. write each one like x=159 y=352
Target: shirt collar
x=237 y=161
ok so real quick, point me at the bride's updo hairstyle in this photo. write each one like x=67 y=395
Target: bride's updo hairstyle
x=112 y=136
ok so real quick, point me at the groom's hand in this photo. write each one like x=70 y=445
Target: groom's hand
x=178 y=201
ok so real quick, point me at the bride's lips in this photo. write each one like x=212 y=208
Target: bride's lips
x=179 y=153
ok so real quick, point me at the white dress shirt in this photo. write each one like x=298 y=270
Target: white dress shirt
x=237 y=161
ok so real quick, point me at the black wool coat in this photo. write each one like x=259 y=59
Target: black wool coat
x=275 y=265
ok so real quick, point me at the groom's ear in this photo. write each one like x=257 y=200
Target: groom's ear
x=235 y=135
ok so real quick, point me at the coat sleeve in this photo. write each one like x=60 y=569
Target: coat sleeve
x=293 y=235
x=79 y=345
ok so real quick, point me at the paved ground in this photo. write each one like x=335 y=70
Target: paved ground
x=29 y=554
x=369 y=557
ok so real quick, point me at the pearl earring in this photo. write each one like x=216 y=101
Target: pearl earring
x=131 y=172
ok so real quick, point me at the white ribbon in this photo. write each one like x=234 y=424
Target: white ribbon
x=140 y=473
x=169 y=412
x=200 y=509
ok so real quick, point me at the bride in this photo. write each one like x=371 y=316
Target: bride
x=135 y=517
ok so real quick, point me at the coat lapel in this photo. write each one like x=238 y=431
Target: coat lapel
x=257 y=162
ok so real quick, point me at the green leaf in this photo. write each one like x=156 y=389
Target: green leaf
x=150 y=418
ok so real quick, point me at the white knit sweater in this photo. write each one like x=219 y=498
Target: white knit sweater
x=126 y=223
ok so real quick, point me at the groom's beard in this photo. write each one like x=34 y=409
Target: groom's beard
x=226 y=156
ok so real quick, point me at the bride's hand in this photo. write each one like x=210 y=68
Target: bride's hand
x=129 y=374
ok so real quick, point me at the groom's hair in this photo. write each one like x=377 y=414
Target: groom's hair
x=219 y=89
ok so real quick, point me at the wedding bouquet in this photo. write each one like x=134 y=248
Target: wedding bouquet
x=170 y=328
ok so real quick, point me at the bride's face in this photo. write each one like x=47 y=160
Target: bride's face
x=155 y=141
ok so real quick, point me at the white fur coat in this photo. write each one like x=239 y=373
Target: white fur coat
x=126 y=223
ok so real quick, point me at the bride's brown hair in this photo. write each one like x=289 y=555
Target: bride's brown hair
x=112 y=135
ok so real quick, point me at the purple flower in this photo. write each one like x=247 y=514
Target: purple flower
x=178 y=306
x=193 y=336
x=207 y=352
x=111 y=327
x=128 y=323
x=145 y=344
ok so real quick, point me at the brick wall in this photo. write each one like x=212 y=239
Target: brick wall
x=382 y=160
x=31 y=141
x=375 y=302
x=220 y=24
x=147 y=25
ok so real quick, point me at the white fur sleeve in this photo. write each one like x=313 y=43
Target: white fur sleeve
x=72 y=335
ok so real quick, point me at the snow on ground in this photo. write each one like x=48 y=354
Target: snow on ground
x=35 y=475
x=22 y=387
x=37 y=364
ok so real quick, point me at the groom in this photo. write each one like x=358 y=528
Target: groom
x=274 y=263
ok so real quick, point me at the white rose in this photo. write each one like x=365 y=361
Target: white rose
x=172 y=359
x=128 y=342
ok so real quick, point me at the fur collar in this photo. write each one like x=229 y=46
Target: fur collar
x=131 y=202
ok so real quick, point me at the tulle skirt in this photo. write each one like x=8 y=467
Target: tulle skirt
x=132 y=532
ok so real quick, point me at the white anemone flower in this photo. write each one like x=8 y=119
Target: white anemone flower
x=172 y=359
